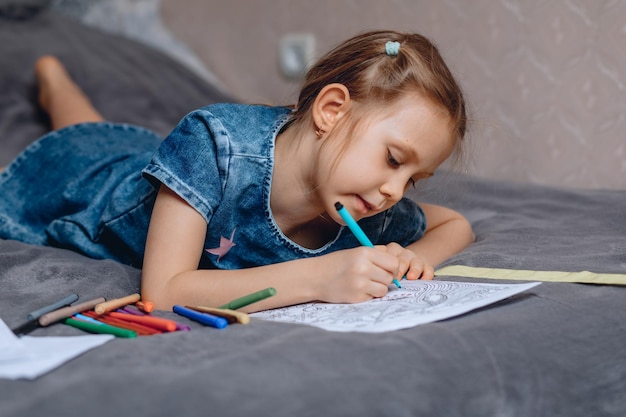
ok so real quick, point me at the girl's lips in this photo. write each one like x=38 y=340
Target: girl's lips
x=363 y=206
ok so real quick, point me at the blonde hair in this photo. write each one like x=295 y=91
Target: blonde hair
x=375 y=78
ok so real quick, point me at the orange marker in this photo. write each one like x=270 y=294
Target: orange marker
x=156 y=322
x=116 y=303
x=140 y=329
x=145 y=306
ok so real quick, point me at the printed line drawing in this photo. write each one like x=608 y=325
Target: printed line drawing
x=417 y=302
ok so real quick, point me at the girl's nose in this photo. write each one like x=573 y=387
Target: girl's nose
x=393 y=189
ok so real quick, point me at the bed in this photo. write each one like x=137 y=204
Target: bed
x=555 y=350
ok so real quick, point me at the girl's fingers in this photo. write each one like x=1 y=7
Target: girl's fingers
x=405 y=266
x=405 y=259
x=419 y=270
x=409 y=264
x=378 y=290
x=428 y=273
x=387 y=266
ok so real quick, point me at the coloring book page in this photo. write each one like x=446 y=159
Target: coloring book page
x=29 y=357
x=417 y=302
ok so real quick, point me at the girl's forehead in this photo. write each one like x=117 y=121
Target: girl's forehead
x=419 y=126
x=411 y=110
x=410 y=101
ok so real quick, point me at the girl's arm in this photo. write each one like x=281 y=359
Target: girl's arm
x=447 y=233
x=175 y=243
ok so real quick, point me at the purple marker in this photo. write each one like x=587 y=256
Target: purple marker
x=182 y=327
x=132 y=310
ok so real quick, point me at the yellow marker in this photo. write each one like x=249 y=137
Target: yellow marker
x=116 y=303
x=231 y=315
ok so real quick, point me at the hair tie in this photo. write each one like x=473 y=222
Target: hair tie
x=392 y=48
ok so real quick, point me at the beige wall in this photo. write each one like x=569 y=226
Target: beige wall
x=546 y=79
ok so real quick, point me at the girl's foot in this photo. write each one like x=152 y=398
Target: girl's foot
x=60 y=96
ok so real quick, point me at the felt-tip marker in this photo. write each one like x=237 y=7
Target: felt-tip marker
x=33 y=317
x=54 y=306
x=110 y=305
x=130 y=309
x=100 y=328
x=204 y=318
x=68 y=311
x=232 y=316
x=249 y=299
x=357 y=231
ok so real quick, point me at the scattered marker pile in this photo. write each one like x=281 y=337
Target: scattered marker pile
x=130 y=317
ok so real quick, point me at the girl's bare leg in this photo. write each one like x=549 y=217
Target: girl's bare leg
x=60 y=97
x=63 y=100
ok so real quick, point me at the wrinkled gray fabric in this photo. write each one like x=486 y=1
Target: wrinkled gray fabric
x=557 y=350
x=537 y=228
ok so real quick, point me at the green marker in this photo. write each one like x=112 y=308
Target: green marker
x=101 y=328
x=250 y=298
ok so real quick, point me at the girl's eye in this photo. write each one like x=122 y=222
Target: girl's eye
x=391 y=160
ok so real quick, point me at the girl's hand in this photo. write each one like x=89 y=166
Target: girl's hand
x=356 y=275
x=410 y=264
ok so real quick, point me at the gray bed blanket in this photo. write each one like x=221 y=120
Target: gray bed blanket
x=557 y=350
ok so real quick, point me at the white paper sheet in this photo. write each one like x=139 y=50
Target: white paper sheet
x=417 y=302
x=29 y=357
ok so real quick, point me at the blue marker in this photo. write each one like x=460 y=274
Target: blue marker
x=204 y=318
x=87 y=318
x=357 y=231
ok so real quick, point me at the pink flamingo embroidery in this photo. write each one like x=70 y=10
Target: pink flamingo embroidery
x=225 y=245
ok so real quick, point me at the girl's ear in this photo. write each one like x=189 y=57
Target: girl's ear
x=330 y=105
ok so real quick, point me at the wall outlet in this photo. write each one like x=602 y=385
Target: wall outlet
x=296 y=53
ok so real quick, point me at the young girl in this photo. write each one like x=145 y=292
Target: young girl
x=240 y=197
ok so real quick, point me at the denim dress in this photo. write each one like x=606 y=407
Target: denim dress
x=91 y=188
x=80 y=188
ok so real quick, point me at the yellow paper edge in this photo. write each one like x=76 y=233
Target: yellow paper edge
x=527 y=275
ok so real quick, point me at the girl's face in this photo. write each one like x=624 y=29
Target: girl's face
x=396 y=148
